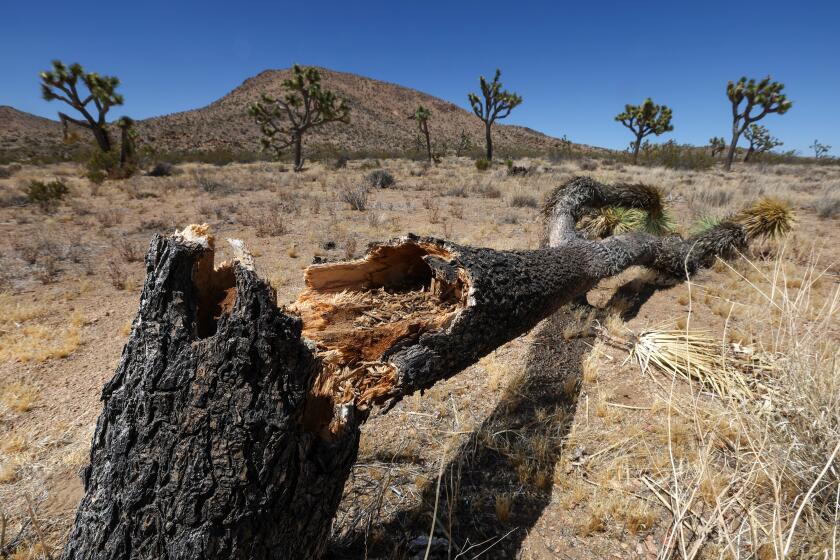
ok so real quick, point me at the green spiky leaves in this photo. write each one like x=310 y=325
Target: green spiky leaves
x=758 y=99
x=306 y=104
x=647 y=118
x=704 y=224
x=717 y=144
x=65 y=83
x=421 y=114
x=62 y=83
x=494 y=102
x=615 y=220
x=631 y=207
x=766 y=96
x=644 y=120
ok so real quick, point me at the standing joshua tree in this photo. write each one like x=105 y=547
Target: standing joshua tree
x=765 y=96
x=820 y=150
x=497 y=104
x=63 y=83
x=718 y=145
x=644 y=120
x=127 y=137
x=760 y=141
x=306 y=105
x=421 y=115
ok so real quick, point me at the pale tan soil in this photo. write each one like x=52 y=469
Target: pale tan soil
x=569 y=467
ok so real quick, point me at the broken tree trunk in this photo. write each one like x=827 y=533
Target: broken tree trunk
x=231 y=425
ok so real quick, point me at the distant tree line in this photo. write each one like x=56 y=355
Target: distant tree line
x=307 y=105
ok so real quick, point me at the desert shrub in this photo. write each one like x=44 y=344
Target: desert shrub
x=524 y=201
x=102 y=165
x=7 y=171
x=355 y=196
x=588 y=165
x=715 y=197
x=482 y=164
x=488 y=191
x=380 y=179
x=420 y=170
x=370 y=164
x=827 y=207
x=129 y=251
x=517 y=170
x=460 y=192
x=340 y=161
x=116 y=274
x=12 y=197
x=269 y=224
x=46 y=195
x=46 y=269
x=210 y=185
x=675 y=156
x=163 y=169
x=509 y=219
x=349 y=244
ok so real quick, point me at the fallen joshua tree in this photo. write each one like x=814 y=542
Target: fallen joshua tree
x=231 y=425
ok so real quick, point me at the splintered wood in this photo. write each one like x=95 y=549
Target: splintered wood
x=353 y=326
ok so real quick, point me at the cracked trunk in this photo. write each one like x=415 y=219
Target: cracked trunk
x=231 y=425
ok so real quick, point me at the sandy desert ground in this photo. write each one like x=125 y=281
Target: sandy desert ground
x=558 y=445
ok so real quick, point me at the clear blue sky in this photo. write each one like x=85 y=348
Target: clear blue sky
x=575 y=63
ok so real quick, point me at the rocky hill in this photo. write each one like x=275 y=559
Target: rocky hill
x=379 y=113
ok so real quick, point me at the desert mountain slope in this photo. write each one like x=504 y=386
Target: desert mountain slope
x=25 y=132
x=379 y=119
x=379 y=114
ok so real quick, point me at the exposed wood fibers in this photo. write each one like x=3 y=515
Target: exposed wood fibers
x=354 y=312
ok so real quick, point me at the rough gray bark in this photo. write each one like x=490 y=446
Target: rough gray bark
x=203 y=448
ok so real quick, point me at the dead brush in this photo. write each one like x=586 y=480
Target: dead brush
x=116 y=274
x=690 y=356
x=768 y=464
x=268 y=224
x=355 y=196
x=127 y=250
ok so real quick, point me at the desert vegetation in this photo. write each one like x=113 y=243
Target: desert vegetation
x=422 y=116
x=581 y=353
x=763 y=97
x=493 y=103
x=644 y=120
x=505 y=447
x=306 y=105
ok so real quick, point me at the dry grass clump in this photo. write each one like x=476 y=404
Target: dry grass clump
x=828 y=207
x=18 y=397
x=524 y=201
x=24 y=338
x=355 y=196
x=767 y=466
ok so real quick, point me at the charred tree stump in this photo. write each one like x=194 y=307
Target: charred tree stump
x=230 y=425
x=199 y=452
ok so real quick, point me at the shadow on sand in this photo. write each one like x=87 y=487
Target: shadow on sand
x=500 y=480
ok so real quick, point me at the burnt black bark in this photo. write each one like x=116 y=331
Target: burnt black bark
x=199 y=451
